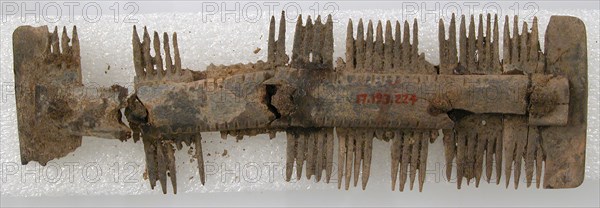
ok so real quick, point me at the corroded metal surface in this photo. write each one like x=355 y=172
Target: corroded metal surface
x=527 y=109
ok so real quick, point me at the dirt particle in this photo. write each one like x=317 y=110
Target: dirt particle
x=224 y=153
x=256 y=50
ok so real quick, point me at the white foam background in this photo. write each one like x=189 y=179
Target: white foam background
x=106 y=43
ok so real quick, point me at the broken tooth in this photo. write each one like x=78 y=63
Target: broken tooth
x=168 y=60
x=200 y=157
x=290 y=153
x=300 y=153
x=162 y=166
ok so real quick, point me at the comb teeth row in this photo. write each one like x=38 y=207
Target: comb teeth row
x=152 y=67
x=522 y=143
x=313 y=44
x=69 y=54
x=313 y=147
x=508 y=136
x=475 y=139
x=384 y=54
x=522 y=51
x=160 y=162
x=355 y=152
x=409 y=154
x=479 y=54
x=276 y=48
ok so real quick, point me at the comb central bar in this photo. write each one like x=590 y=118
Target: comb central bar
x=258 y=100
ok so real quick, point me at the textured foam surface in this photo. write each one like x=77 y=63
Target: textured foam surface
x=107 y=167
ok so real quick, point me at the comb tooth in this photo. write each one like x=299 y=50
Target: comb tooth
x=388 y=48
x=414 y=158
x=349 y=157
x=369 y=47
x=170 y=152
x=298 y=44
x=449 y=151
x=515 y=42
x=327 y=49
x=342 y=138
x=397 y=48
x=200 y=158
x=498 y=153
x=489 y=155
x=317 y=41
x=300 y=154
x=415 y=46
x=310 y=155
x=423 y=160
x=358 y=139
x=150 y=150
x=176 y=52
x=271 y=48
x=157 y=56
x=378 y=49
x=488 y=47
x=168 y=60
x=443 y=45
x=521 y=143
x=462 y=41
x=530 y=150
x=320 y=154
x=461 y=146
x=470 y=156
x=64 y=41
x=514 y=138
x=329 y=149
x=471 y=50
x=452 y=41
x=360 y=46
x=523 y=50
x=538 y=165
x=506 y=44
x=137 y=54
x=534 y=42
x=495 y=48
x=479 y=156
x=281 y=57
x=289 y=158
x=396 y=149
x=405 y=159
x=350 y=46
x=75 y=43
x=406 y=46
x=162 y=170
x=481 y=55
x=146 y=51
x=55 y=42
x=308 y=36
x=366 y=166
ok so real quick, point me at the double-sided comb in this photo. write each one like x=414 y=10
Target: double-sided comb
x=496 y=115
